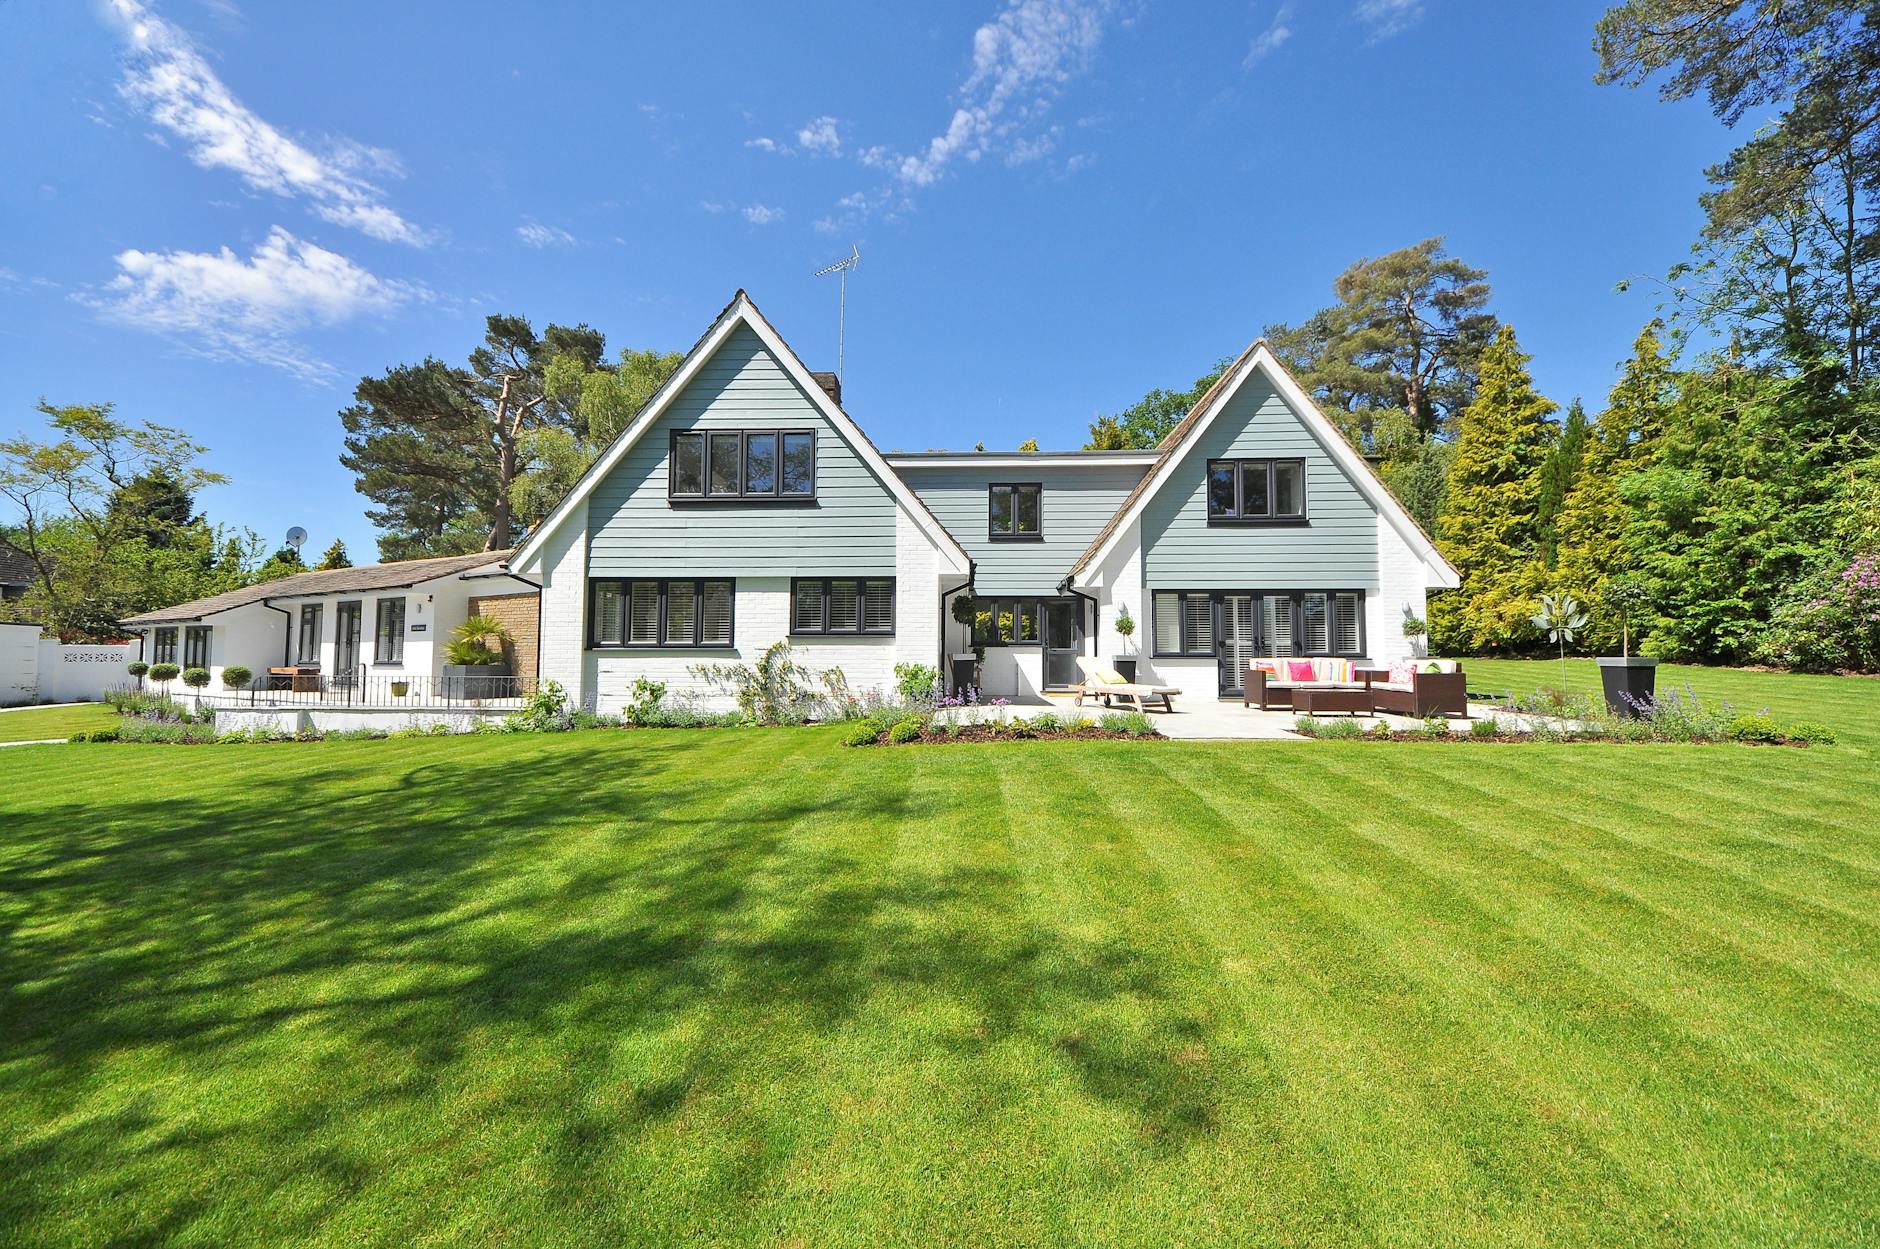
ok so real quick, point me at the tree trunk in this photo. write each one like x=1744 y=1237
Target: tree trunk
x=505 y=472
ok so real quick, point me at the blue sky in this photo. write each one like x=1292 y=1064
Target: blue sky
x=220 y=213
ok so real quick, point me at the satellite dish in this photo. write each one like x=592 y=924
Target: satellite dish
x=296 y=536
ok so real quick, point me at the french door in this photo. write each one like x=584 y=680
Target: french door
x=346 y=650
x=1239 y=634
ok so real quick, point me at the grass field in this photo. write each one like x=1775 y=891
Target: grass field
x=745 y=987
x=33 y=724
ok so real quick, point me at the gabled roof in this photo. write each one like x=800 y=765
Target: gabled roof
x=393 y=576
x=741 y=311
x=16 y=566
x=1259 y=358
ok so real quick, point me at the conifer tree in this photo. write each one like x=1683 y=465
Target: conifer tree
x=1557 y=474
x=1487 y=524
x=335 y=557
x=1591 y=529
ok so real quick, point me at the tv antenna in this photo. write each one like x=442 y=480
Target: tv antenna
x=842 y=267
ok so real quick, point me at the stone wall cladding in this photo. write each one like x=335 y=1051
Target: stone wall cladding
x=521 y=615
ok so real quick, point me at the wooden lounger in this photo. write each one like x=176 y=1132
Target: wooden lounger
x=1163 y=694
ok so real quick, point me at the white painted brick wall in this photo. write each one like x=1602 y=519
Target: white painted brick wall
x=1400 y=578
x=563 y=574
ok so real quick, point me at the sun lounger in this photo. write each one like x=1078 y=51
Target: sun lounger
x=1106 y=684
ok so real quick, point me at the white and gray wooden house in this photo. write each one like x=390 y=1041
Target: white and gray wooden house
x=744 y=506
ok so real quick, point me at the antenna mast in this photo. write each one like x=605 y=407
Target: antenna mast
x=842 y=267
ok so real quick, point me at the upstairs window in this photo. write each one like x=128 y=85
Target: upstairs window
x=1015 y=511
x=1256 y=491
x=752 y=465
x=842 y=605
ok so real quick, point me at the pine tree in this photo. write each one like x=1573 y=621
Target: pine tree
x=1487 y=524
x=1030 y=444
x=1557 y=475
x=335 y=557
x=1590 y=532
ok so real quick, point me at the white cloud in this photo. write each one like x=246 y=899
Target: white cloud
x=763 y=144
x=820 y=137
x=762 y=214
x=1270 y=40
x=537 y=235
x=1388 y=18
x=178 y=90
x=224 y=307
x=711 y=206
x=1021 y=59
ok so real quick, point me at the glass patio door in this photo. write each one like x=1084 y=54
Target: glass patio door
x=1239 y=633
x=346 y=651
x=1063 y=641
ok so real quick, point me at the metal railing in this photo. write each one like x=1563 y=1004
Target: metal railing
x=363 y=689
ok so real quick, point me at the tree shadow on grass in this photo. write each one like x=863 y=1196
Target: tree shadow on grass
x=551 y=900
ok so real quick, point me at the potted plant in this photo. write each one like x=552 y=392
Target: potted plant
x=1126 y=629
x=400 y=687
x=966 y=666
x=1629 y=680
x=137 y=671
x=475 y=660
x=1415 y=629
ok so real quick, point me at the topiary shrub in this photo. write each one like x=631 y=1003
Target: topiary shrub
x=1761 y=727
x=861 y=733
x=903 y=732
x=1811 y=733
x=195 y=678
x=138 y=669
x=164 y=672
x=236 y=677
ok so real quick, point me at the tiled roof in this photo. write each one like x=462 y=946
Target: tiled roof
x=331 y=581
x=15 y=567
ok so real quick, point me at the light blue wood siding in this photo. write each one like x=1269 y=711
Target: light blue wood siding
x=1336 y=549
x=1075 y=504
x=634 y=531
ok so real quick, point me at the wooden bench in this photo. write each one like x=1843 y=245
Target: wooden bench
x=299 y=680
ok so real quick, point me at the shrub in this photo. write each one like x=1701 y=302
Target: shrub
x=1312 y=726
x=1436 y=727
x=356 y=735
x=1131 y=723
x=236 y=677
x=1484 y=728
x=96 y=735
x=234 y=737
x=164 y=672
x=1305 y=726
x=643 y=703
x=1811 y=733
x=917 y=684
x=1757 y=728
x=776 y=689
x=580 y=720
x=138 y=669
x=904 y=731
x=477 y=642
x=1831 y=620
x=195 y=678
x=1046 y=722
x=546 y=711
x=1381 y=731
x=1023 y=728
x=861 y=733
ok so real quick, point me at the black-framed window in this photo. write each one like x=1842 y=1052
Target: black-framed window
x=1015 y=511
x=388 y=632
x=307 y=651
x=196 y=646
x=1256 y=492
x=1291 y=622
x=163 y=646
x=862 y=605
x=748 y=464
x=1008 y=622
x=648 y=613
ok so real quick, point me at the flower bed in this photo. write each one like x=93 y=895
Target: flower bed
x=915 y=728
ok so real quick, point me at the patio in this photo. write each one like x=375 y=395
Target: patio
x=1218 y=720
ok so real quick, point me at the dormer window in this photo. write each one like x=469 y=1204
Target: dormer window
x=1254 y=492
x=1015 y=511
x=745 y=465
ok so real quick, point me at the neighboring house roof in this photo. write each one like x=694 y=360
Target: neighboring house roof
x=393 y=576
x=1259 y=358
x=16 y=567
x=741 y=311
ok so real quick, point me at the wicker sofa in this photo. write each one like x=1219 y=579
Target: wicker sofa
x=1421 y=687
x=1269 y=683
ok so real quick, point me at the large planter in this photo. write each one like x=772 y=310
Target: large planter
x=466 y=681
x=1628 y=682
x=965 y=672
x=1125 y=666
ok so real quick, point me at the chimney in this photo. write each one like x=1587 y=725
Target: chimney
x=831 y=384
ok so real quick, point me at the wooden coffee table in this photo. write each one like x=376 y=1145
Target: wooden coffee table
x=1312 y=700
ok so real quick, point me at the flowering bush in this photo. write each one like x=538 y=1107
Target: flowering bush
x=1831 y=621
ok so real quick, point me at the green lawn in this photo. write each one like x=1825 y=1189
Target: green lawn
x=745 y=987
x=32 y=724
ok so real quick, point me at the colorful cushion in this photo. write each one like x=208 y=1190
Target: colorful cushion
x=1110 y=676
x=1400 y=675
x=1300 y=670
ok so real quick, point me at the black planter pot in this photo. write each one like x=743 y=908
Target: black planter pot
x=965 y=673
x=1125 y=666
x=1628 y=682
x=467 y=681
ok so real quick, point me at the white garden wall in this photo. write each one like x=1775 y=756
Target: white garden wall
x=19 y=664
x=45 y=670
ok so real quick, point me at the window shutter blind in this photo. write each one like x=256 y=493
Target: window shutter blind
x=808 y=609
x=715 y=623
x=1200 y=624
x=1279 y=625
x=878 y=607
x=643 y=616
x=1318 y=640
x=1168 y=624
x=844 y=607
x=609 y=607
x=1345 y=624
x=681 y=612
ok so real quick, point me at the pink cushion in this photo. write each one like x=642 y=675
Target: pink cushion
x=1400 y=675
x=1299 y=669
